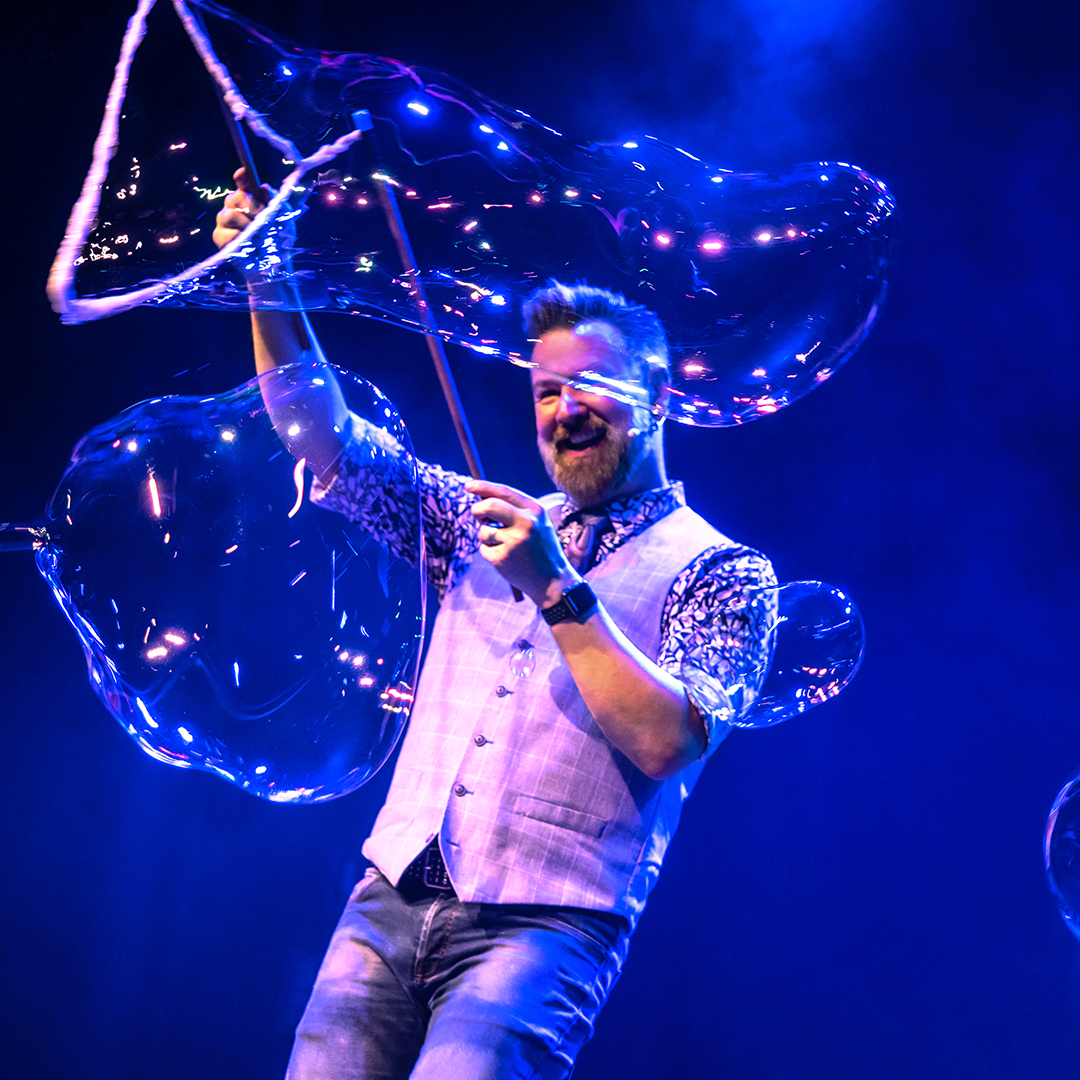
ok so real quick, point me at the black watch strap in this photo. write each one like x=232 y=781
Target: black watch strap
x=574 y=602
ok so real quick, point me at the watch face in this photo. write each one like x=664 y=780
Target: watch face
x=574 y=601
x=580 y=598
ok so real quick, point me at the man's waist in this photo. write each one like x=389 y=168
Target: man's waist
x=426 y=875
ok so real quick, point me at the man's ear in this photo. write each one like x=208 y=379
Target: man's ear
x=659 y=391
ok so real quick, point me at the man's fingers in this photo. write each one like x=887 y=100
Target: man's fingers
x=233 y=218
x=240 y=207
x=485 y=489
x=230 y=222
x=236 y=211
x=489 y=534
x=497 y=510
x=246 y=182
x=253 y=196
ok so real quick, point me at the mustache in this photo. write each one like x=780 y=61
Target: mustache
x=589 y=426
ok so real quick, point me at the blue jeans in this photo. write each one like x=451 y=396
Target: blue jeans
x=437 y=989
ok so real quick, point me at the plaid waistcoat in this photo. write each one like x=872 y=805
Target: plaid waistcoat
x=531 y=803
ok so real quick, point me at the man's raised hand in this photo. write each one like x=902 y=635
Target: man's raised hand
x=240 y=207
x=518 y=539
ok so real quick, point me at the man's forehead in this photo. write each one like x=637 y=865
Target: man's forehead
x=589 y=345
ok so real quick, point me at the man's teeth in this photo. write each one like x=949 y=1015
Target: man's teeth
x=582 y=437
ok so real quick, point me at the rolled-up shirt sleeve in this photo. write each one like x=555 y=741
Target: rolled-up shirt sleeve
x=374 y=487
x=724 y=593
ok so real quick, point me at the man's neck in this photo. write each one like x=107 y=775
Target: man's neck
x=650 y=473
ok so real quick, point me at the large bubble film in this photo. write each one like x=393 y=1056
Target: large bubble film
x=230 y=622
x=813 y=644
x=766 y=282
x=1062 y=851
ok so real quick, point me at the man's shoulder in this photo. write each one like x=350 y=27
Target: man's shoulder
x=719 y=555
x=724 y=561
x=723 y=548
x=683 y=524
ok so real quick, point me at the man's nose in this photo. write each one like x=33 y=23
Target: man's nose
x=569 y=405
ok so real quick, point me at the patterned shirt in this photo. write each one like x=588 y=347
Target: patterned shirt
x=373 y=487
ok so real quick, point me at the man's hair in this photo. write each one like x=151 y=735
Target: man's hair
x=562 y=307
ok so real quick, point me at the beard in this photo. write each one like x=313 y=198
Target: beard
x=593 y=478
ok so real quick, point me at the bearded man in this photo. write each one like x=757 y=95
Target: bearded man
x=551 y=743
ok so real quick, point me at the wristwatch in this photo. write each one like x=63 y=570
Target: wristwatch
x=572 y=603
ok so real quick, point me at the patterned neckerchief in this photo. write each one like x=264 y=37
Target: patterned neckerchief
x=628 y=516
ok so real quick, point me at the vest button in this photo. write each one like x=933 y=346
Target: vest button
x=479 y=740
x=459 y=789
x=501 y=691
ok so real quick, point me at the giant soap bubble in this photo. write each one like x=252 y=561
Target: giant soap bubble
x=766 y=282
x=1062 y=852
x=814 y=644
x=230 y=622
x=234 y=622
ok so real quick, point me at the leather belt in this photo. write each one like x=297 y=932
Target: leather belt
x=426 y=875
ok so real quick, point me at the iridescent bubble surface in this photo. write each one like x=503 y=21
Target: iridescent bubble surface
x=766 y=282
x=230 y=622
x=815 y=640
x=1061 y=849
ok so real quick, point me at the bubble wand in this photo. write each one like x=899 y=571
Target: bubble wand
x=361 y=120
x=362 y=123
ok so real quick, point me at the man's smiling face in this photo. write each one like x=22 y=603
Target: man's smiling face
x=594 y=447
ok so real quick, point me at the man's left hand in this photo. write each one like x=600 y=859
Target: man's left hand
x=518 y=539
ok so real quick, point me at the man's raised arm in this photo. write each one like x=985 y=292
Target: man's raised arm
x=282 y=334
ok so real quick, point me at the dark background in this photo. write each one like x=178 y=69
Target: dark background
x=857 y=894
